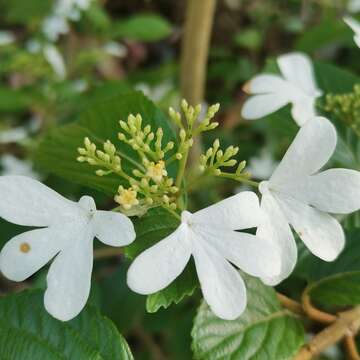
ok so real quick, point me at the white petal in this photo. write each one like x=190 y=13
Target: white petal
x=258 y=106
x=276 y=230
x=305 y=156
x=355 y=26
x=303 y=109
x=221 y=284
x=113 y=228
x=69 y=277
x=297 y=69
x=237 y=212
x=267 y=83
x=336 y=191
x=319 y=231
x=26 y=253
x=28 y=202
x=256 y=256
x=158 y=266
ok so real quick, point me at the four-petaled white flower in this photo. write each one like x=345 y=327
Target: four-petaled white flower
x=296 y=85
x=355 y=26
x=209 y=236
x=67 y=234
x=297 y=194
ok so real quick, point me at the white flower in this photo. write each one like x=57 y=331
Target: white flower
x=299 y=195
x=155 y=93
x=54 y=26
x=296 y=85
x=208 y=235
x=14 y=166
x=55 y=59
x=353 y=6
x=355 y=26
x=262 y=167
x=67 y=232
x=6 y=38
x=115 y=49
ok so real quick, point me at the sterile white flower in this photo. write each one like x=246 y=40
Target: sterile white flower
x=295 y=85
x=208 y=235
x=297 y=194
x=67 y=233
x=355 y=26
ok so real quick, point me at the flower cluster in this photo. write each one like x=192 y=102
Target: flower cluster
x=346 y=108
x=214 y=159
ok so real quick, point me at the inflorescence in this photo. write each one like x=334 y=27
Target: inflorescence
x=149 y=182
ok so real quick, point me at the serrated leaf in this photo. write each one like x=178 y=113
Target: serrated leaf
x=264 y=331
x=340 y=290
x=145 y=27
x=27 y=331
x=150 y=229
x=57 y=152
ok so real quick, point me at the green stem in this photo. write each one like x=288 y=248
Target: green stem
x=182 y=166
x=240 y=179
x=172 y=212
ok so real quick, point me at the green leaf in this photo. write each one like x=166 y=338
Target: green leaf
x=150 y=229
x=13 y=100
x=311 y=268
x=264 y=331
x=25 y=12
x=143 y=27
x=57 y=152
x=325 y=34
x=340 y=290
x=27 y=331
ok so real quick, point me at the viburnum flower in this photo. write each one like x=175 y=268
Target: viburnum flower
x=295 y=85
x=355 y=26
x=297 y=194
x=209 y=236
x=67 y=233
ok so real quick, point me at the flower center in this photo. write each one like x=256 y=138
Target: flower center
x=156 y=171
x=25 y=248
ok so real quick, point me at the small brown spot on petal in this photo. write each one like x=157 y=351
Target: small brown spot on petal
x=25 y=248
x=247 y=88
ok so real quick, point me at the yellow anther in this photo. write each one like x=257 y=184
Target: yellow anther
x=127 y=198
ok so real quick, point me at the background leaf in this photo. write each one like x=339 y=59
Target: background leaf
x=144 y=27
x=264 y=331
x=57 y=153
x=27 y=331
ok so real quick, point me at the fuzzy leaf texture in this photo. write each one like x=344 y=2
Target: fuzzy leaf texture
x=264 y=331
x=27 y=331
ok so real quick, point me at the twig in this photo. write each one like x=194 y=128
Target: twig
x=194 y=55
x=316 y=314
x=154 y=349
x=351 y=347
x=347 y=323
x=195 y=48
x=290 y=304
